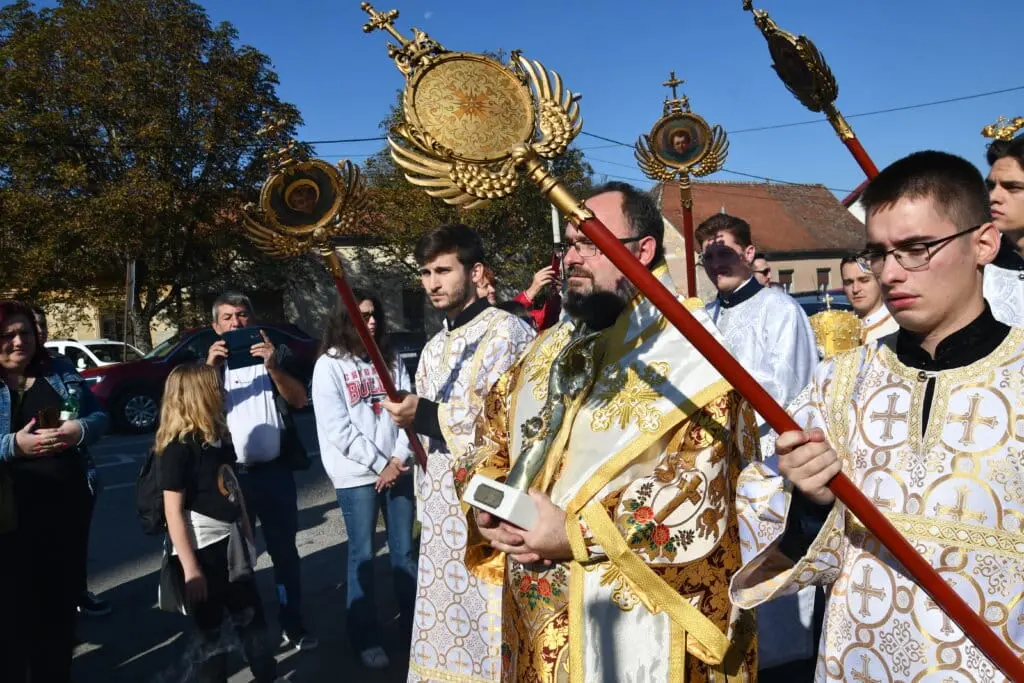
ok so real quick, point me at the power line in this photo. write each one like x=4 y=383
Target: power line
x=876 y=112
x=724 y=170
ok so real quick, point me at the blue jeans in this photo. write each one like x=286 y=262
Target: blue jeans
x=270 y=496
x=359 y=506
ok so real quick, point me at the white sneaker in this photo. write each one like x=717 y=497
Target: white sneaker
x=374 y=658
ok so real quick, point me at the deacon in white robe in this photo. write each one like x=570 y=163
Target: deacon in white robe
x=926 y=423
x=1004 y=277
x=769 y=333
x=457 y=620
x=1004 y=284
x=877 y=324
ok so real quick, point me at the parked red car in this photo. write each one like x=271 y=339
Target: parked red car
x=130 y=392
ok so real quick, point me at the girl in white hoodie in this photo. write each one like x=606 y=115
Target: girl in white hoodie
x=368 y=459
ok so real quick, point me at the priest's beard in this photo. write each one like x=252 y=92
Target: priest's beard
x=599 y=309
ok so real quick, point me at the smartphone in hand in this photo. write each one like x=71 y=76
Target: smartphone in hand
x=239 y=342
x=48 y=418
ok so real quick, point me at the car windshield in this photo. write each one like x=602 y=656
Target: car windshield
x=114 y=352
x=165 y=347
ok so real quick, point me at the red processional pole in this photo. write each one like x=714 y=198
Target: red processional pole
x=348 y=299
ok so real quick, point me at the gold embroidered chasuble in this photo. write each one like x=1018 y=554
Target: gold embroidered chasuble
x=645 y=465
x=456 y=621
x=953 y=485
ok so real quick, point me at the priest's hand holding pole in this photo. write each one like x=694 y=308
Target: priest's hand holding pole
x=403 y=412
x=809 y=461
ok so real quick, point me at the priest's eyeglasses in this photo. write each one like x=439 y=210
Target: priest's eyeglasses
x=914 y=256
x=587 y=249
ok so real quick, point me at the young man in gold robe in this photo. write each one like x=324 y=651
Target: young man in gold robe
x=927 y=423
x=625 y=574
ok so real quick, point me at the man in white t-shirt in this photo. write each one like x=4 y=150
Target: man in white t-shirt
x=257 y=429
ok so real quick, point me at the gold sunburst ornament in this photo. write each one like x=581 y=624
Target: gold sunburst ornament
x=471 y=123
x=304 y=203
x=1002 y=129
x=682 y=143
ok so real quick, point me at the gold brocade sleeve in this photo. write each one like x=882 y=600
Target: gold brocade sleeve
x=487 y=455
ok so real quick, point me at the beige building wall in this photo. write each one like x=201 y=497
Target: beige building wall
x=86 y=322
x=805 y=273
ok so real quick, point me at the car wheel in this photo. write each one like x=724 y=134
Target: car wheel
x=138 y=411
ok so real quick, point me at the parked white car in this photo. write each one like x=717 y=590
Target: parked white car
x=93 y=353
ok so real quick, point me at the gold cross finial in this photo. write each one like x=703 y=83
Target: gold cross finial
x=828 y=300
x=1003 y=129
x=673 y=83
x=382 y=20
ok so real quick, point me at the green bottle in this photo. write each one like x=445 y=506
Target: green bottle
x=69 y=408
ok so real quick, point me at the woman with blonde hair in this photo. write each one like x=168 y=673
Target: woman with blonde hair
x=207 y=523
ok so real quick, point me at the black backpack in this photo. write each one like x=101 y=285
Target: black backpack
x=149 y=498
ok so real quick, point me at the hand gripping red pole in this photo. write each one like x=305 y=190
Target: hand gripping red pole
x=383 y=371
x=926 y=577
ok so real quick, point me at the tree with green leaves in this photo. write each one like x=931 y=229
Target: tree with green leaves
x=516 y=230
x=129 y=132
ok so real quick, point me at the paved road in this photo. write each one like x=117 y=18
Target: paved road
x=139 y=643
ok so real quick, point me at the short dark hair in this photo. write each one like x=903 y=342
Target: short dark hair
x=9 y=309
x=642 y=214
x=455 y=238
x=723 y=222
x=231 y=298
x=849 y=258
x=1006 y=149
x=760 y=254
x=953 y=183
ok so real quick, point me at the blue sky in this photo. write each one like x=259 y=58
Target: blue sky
x=884 y=53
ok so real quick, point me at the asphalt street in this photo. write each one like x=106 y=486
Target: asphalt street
x=139 y=643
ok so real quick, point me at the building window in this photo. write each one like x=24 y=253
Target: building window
x=413 y=302
x=786 y=279
x=823 y=279
x=112 y=326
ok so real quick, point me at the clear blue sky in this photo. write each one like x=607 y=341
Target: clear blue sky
x=884 y=53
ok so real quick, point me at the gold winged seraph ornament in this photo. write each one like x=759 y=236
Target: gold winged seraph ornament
x=679 y=144
x=1002 y=129
x=304 y=204
x=472 y=124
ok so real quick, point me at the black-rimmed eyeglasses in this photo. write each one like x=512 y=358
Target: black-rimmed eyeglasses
x=587 y=249
x=914 y=256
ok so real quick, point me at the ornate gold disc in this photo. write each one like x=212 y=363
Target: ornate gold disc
x=472 y=106
x=681 y=140
x=302 y=198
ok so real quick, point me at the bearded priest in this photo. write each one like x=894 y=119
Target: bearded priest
x=624 y=575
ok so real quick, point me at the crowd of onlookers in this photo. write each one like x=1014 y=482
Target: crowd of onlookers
x=224 y=456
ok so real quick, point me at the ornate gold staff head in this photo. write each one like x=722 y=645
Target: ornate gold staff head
x=801 y=67
x=304 y=203
x=681 y=142
x=1003 y=129
x=470 y=121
